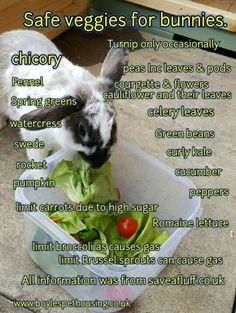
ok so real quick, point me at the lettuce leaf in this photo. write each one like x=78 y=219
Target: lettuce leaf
x=84 y=184
x=70 y=221
x=145 y=233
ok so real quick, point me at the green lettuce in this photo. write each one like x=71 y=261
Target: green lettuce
x=145 y=233
x=71 y=222
x=102 y=229
x=84 y=184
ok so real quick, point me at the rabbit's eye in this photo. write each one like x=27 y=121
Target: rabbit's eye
x=82 y=130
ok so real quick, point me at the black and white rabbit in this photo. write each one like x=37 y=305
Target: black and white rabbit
x=89 y=127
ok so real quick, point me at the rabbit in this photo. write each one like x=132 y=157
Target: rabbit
x=89 y=127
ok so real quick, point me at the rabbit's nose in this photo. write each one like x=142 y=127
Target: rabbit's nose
x=97 y=159
x=97 y=163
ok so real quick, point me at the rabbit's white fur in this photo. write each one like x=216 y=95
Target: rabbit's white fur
x=67 y=80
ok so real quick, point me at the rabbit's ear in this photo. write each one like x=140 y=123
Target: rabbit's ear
x=54 y=113
x=112 y=68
